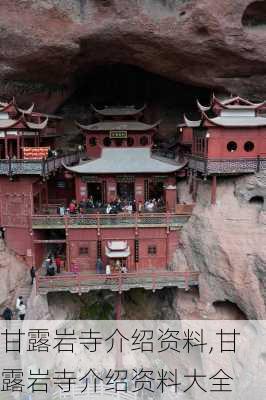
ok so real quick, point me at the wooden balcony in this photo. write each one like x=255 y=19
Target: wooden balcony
x=171 y=220
x=84 y=282
x=227 y=166
x=12 y=167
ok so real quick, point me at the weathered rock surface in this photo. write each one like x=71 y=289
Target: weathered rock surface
x=13 y=274
x=227 y=244
x=45 y=44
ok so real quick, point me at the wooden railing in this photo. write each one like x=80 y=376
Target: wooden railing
x=227 y=166
x=107 y=220
x=42 y=167
x=118 y=282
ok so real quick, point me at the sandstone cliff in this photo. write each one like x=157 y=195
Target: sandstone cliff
x=46 y=45
x=227 y=244
x=14 y=277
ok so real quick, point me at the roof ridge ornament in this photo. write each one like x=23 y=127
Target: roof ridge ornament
x=192 y=124
x=203 y=108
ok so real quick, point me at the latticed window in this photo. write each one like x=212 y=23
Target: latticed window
x=93 y=141
x=152 y=250
x=83 y=251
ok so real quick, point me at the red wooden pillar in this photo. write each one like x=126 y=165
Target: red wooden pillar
x=6 y=147
x=139 y=190
x=40 y=201
x=170 y=194
x=118 y=306
x=18 y=147
x=213 y=189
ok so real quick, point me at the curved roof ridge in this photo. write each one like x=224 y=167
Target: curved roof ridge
x=203 y=108
x=190 y=123
x=118 y=110
x=118 y=125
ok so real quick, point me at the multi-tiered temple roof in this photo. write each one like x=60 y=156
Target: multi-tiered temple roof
x=128 y=111
x=233 y=112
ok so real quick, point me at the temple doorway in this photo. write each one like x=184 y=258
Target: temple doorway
x=156 y=190
x=95 y=190
x=126 y=191
x=12 y=148
x=2 y=150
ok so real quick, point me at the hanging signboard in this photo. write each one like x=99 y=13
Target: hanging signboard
x=118 y=134
x=90 y=178
x=35 y=153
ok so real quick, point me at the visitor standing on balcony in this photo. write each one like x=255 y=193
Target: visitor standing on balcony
x=99 y=266
x=72 y=207
x=108 y=269
x=58 y=263
x=108 y=208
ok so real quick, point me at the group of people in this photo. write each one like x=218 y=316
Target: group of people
x=53 y=264
x=114 y=207
x=115 y=266
x=20 y=310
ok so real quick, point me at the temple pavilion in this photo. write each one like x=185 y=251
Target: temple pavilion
x=229 y=138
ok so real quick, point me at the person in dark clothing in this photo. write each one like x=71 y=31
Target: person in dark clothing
x=32 y=274
x=134 y=206
x=2 y=232
x=99 y=266
x=7 y=314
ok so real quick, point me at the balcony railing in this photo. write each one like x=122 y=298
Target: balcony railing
x=43 y=167
x=227 y=166
x=84 y=282
x=109 y=221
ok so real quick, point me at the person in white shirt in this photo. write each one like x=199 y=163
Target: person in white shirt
x=108 y=269
x=21 y=310
x=108 y=209
x=19 y=299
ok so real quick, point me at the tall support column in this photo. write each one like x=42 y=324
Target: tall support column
x=213 y=190
x=118 y=306
x=6 y=148
x=18 y=147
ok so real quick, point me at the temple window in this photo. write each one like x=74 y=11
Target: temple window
x=93 y=141
x=107 y=141
x=249 y=146
x=231 y=146
x=83 y=251
x=130 y=141
x=144 y=140
x=152 y=250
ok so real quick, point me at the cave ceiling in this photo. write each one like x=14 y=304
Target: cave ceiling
x=48 y=45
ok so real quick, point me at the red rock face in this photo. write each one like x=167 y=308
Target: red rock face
x=46 y=43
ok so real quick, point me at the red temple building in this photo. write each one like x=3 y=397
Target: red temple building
x=118 y=221
x=26 y=138
x=124 y=194
x=230 y=141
